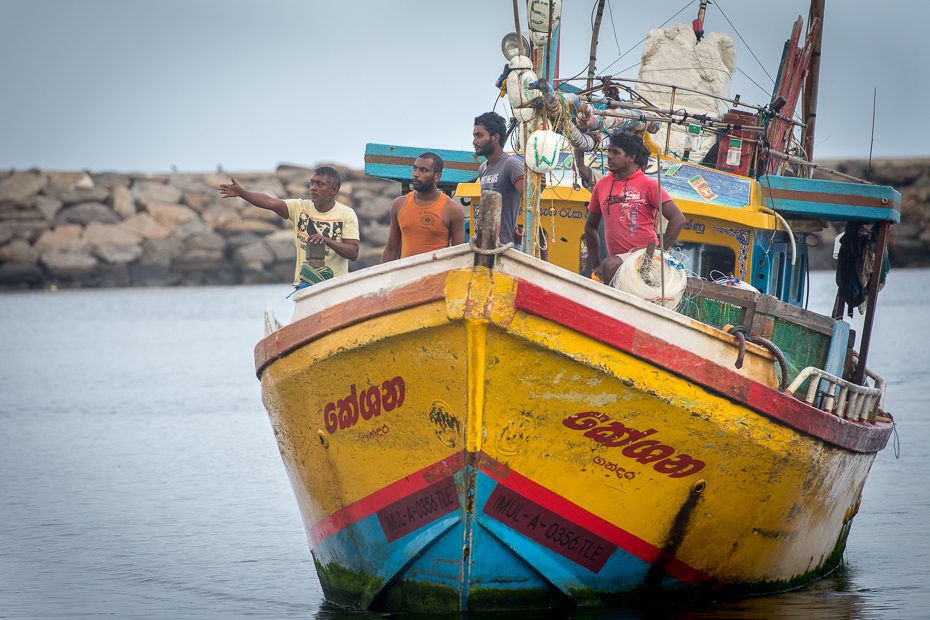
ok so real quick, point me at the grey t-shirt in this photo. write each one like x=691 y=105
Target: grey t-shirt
x=500 y=177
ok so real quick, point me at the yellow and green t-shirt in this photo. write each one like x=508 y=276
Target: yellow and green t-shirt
x=339 y=223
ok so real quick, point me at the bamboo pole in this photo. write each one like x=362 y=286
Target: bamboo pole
x=594 y=34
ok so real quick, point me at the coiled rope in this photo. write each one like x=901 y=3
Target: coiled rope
x=646 y=282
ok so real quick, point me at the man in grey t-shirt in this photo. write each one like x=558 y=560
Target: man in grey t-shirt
x=501 y=172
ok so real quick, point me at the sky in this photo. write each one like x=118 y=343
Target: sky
x=194 y=85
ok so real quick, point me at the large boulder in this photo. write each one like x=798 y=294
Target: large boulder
x=207 y=240
x=24 y=229
x=18 y=251
x=97 y=234
x=195 y=226
x=67 y=264
x=198 y=201
x=256 y=226
x=59 y=180
x=9 y=211
x=145 y=225
x=20 y=187
x=85 y=213
x=119 y=254
x=376 y=234
x=161 y=251
x=253 y=256
x=281 y=244
x=256 y=213
x=375 y=208
x=122 y=201
x=146 y=192
x=64 y=238
x=190 y=183
x=200 y=260
x=171 y=216
x=111 y=179
x=217 y=216
x=47 y=206
x=75 y=195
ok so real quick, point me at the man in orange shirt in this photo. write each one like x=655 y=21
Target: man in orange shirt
x=425 y=220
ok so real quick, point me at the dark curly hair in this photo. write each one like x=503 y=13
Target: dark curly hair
x=631 y=144
x=494 y=124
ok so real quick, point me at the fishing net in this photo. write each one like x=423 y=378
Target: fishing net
x=802 y=347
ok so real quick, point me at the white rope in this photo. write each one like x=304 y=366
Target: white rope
x=498 y=250
x=648 y=286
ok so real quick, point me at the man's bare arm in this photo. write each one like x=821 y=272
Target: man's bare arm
x=592 y=238
x=347 y=248
x=262 y=201
x=454 y=219
x=392 y=247
x=676 y=221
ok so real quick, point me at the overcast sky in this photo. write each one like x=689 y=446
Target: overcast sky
x=139 y=85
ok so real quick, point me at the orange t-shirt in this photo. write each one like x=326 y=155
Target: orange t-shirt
x=421 y=228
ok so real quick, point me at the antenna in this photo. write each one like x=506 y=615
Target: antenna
x=868 y=172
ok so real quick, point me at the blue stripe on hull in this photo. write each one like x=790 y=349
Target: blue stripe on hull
x=503 y=567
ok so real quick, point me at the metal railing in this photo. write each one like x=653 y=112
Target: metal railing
x=854 y=402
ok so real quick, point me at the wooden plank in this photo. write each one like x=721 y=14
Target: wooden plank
x=805 y=318
x=831 y=200
x=720 y=292
x=396 y=163
x=757 y=303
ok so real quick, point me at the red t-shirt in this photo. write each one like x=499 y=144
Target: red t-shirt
x=629 y=208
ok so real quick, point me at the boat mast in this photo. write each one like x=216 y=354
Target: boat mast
x=812 y=83
x=594 y=33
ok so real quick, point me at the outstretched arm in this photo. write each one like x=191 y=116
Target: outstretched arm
x=676 y=221
x=263 y=201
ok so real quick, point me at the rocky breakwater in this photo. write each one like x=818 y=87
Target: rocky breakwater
x=910 y=237
x=81 y=229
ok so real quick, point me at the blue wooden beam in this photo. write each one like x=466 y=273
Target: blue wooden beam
x=830 y=200
x=396 y=163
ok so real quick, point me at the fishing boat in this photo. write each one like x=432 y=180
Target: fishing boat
x=477 y=428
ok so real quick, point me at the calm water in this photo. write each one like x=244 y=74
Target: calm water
x=139 y=477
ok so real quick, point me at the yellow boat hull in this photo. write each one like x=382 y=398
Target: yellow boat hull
x=475 y=439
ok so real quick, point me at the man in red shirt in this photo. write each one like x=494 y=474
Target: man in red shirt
x=628 y=201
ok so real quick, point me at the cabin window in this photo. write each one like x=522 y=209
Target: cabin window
x=710 y=262
x=778 y=273
x=798 y=274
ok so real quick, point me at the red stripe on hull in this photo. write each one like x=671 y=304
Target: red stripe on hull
x=799 y=415
x=519 y=483
x=382 y=498
x=603 y=528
